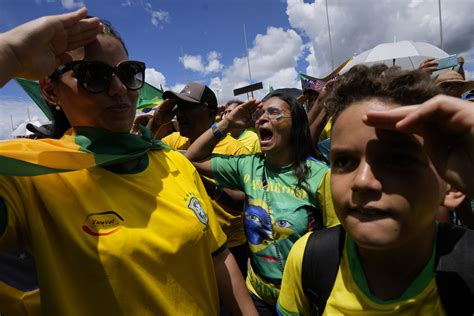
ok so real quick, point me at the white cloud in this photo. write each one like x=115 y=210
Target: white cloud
x=155 y=78
x=361 y=26
x=71 y=4
x=126 y=3
x=414 y=3
x=192 y=62
x=16 y=110
x=195 y=63
x=158 y=18
x=66 y=4
x=177 y=87
x=273 y=60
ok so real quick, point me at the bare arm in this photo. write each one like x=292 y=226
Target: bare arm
x=160 y=123
x=232 y=289
x=201 y=149
x=317 y=125
x=35 y=49
x=231 y=199
x=314 y=111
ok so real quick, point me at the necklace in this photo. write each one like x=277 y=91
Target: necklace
x=265 y=197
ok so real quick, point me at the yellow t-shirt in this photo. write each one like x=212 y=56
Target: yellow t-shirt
x=232 y=225
x=326 y=132
x=108 y=243
x=18 y=303
x=347 y=297
x=250 y=140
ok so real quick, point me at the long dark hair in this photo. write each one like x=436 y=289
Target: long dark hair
x=60 y=122
x=301 y=142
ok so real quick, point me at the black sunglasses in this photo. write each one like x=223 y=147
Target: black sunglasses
x=96 y=76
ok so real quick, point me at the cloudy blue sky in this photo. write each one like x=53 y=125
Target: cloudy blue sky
x=202 y=40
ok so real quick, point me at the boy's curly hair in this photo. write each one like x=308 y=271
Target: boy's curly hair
x=381 y=82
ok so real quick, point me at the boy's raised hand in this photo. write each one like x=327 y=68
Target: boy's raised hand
x=241 y=116
x=447 y=126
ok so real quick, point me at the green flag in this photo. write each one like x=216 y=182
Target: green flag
x=150 y=97
x=33 y=90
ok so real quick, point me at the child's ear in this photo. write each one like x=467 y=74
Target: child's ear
x=48 y=91
x=453 y=198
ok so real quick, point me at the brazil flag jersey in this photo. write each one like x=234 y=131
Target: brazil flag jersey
x=229 y=219
x=276 y=213
x=351 y=295
x=112 y=242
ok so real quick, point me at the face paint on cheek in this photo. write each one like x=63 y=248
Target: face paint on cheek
x=279 y=118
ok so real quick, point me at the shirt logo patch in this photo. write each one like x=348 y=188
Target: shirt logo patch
x=195 y=206
x=102 y=224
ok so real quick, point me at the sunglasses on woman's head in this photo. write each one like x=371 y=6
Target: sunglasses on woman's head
x=96 y=76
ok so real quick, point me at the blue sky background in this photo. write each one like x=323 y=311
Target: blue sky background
x=202 y=40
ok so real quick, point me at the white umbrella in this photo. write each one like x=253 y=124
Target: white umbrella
x=406 y=54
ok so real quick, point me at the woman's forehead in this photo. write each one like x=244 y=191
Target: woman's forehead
x=105 y=48
x=275 y=102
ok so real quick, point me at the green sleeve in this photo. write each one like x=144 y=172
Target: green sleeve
x=227 y=170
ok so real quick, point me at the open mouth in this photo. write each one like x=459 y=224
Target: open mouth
x=265 y=136
x=269 y=258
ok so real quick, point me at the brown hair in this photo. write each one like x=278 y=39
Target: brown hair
x=379 y=81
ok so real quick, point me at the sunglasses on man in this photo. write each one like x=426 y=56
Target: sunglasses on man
x=96 y=76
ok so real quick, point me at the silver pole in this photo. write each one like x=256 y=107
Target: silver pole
x=248 y=58
x=28 y=111
x=329 y=33
x=11 y=120
x=440 y=25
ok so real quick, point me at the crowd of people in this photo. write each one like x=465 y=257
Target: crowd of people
x=354 y=199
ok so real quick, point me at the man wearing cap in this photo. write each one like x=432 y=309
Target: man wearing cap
x=196 y=112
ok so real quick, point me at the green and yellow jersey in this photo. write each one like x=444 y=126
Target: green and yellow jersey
x=117 y=242
x=351 y=295
x=276 y=213
x=229 y=219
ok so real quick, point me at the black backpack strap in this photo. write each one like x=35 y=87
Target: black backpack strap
x=455 y=269
x=320 y=265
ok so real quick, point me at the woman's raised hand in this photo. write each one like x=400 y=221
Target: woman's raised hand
x=35 y=49
x=241 y=116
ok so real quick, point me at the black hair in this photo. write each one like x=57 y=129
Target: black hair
x=381 y=82
x=239 y=102
x=110 y=30
x=60 y=122
x=301 y=142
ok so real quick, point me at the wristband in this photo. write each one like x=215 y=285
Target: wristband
x=217 y=132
